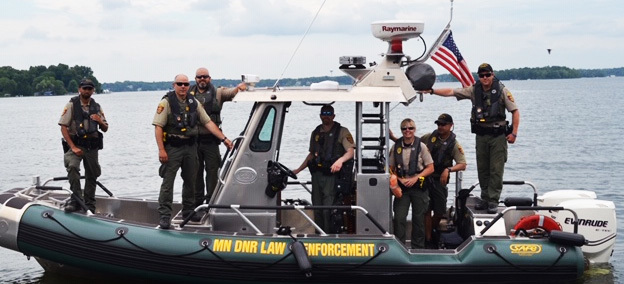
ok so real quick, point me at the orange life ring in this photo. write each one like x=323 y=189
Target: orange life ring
x=394 y=186
x=537 y=221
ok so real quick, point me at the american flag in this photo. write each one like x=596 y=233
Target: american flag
x=449 y=57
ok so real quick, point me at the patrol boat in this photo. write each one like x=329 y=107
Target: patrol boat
x=249 y=233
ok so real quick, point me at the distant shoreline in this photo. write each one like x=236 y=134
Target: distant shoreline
x=539 y=73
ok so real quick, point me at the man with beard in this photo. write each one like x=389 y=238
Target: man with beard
x=444 y=149
x=176 y=121
x=79 y=123
x=212 y=100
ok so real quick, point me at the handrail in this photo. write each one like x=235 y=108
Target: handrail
x=236 y=208
x=531 y=208
x=229 y=158
x=516 y=182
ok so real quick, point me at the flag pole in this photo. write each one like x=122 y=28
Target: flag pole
x=440 y=39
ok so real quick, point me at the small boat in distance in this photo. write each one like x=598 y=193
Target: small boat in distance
x=249 y=234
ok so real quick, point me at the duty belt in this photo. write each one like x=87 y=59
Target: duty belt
x=88 y=143
x=179 y=142
x=484 y=130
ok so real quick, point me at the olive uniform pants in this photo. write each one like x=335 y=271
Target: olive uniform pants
x=491 y=158
x=323 y=193
x=210 y=160
x=184 y=157
x=419 y=200
x=89 y=160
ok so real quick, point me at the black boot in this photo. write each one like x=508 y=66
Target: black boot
x=165 y=222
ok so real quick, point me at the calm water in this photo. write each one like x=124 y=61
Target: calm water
x=569 y=137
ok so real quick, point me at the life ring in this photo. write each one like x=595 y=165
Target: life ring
x=532 y=222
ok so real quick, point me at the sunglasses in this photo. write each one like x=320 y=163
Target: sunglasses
x=180 y=84
x=326 y=113
x=486 y=75
x=406 y=128
x=87 y=88
x=203 y=77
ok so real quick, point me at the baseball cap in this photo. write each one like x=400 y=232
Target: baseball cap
x=484 y=67
x=86 y=83
x=444 y=118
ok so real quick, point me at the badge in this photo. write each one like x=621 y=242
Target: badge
x=350 y=138
x=160 y=108
x=433 y=139
x=399 y=150
x=316 y=138
x=494 y=91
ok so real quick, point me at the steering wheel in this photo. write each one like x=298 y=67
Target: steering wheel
x=286 y=170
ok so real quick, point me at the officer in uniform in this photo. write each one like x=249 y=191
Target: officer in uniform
x=212 y=100
x=411 y=161
x=79 y=123
x=331 y=146
x=444 y=148
x=176 y=121
x=490 y=98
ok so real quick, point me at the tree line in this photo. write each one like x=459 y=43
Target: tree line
x=62 y=79
x=42 y=80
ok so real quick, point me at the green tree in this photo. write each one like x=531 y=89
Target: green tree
x=72 y=87
x=7 y=86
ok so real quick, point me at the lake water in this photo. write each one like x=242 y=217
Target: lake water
x=569 y=138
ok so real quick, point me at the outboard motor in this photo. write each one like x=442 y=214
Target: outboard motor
x=597 y=220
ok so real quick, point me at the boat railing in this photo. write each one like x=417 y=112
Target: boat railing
x=39 y=191
x=229 y=156
x=515 y=182
x=531 y=208
x=299 y=208
x=303 y=184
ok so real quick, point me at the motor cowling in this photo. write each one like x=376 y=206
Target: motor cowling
x=596 y=220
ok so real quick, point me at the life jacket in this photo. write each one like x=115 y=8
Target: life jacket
x=80 y=116
x=441 y=151
x=209 y=102
x=183 y=119
x=326 y=148
x=413 y=159
x=488 y=107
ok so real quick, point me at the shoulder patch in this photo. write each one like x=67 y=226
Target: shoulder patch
x=460 y=149
x=64 y=111
x=510 y=97
x=160 y=108
x=350 y=138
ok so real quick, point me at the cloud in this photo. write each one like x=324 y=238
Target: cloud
x=35 y=34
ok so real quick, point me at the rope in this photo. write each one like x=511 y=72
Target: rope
x=298 y=45
x=562 y=252
x=204 y=248
x=78 y=236
x=245 y=267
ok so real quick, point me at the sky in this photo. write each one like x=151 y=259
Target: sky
x=153 y=40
